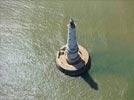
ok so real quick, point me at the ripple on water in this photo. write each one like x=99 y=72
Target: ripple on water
x=27 y=48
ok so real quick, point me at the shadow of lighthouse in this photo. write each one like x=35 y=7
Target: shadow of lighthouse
x=88 y=78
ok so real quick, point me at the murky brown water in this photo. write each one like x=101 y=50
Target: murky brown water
x=32 y=31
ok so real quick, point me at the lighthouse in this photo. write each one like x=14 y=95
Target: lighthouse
x=72 y=45
x=73 y=59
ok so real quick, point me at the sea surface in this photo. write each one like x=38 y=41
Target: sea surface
x=32 y=31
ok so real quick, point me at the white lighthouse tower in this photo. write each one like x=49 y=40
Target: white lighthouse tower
x=73 y=59
x=72 y=46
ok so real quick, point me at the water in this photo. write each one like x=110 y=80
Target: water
x=31 y=32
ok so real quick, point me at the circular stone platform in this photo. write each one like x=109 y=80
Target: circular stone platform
x=77 y=68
